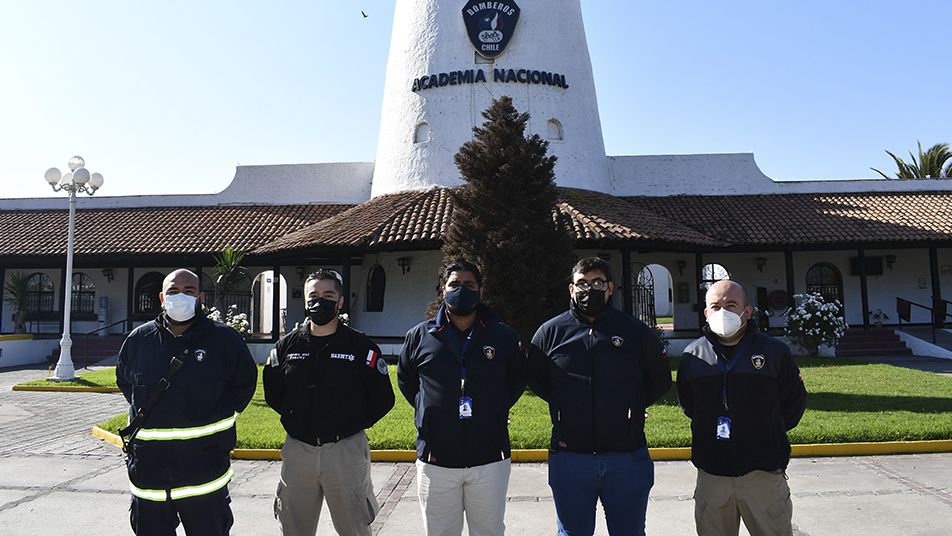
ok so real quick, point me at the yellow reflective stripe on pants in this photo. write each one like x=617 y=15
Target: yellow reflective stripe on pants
x=162 y=434
x=184 y=492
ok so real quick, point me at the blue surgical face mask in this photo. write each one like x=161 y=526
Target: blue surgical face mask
x=461 y=301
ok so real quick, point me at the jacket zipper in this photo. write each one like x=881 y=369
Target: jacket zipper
x=591 y=387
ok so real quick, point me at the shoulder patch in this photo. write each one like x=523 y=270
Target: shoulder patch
x=273 y=357
x=375 y=360
x=489 y=352
x=618 y=340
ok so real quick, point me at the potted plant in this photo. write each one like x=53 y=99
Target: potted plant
x=15 y=295
x=878 y=316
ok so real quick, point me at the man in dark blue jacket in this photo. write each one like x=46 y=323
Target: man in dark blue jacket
x=742 y=391
x=598 y=368
x=178 y=463
x=461 y=371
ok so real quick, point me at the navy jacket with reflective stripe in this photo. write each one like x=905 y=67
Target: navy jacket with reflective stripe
x=218 y=379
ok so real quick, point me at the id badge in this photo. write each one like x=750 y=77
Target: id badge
x=465 y=407
x=724 y=428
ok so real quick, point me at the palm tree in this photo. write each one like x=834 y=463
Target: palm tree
x=930 y=165
x=15 y=295
x=228 y=275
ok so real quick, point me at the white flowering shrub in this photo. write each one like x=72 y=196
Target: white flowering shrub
x=815 y=322
x=234 y=319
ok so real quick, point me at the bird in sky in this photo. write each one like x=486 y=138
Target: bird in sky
x=364 y=14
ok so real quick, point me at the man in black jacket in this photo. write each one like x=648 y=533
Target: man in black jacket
x=598 y=368
x=461 y=371
x=179 y=465
x=329 y=383
x=742 y=391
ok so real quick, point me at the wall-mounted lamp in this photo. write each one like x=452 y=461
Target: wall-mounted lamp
x=107 y=273
x=761 y=262
x=300 y=272
x=404 y=263
x=890 y=260
x=681 y=266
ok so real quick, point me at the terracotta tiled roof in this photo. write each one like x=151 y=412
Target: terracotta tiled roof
x=154 y=230
x=417 y=220
x=404 y=219
x=811 y=219
x=595 y=216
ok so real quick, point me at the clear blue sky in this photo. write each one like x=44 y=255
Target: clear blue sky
x=169 y=97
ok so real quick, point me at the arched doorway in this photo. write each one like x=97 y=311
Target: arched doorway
x=642 y=294
x=824 y=279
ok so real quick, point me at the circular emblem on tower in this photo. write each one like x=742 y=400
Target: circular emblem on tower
x=490 y=25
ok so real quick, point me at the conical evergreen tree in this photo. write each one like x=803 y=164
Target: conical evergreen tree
x=503 y=220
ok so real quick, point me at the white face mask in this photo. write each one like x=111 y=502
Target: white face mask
x=724 y=323
x=180 y=307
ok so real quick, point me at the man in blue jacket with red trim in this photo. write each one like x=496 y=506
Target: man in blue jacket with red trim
x=598 y=368
x=461 y=371
x=742 y=391
x=179 y=465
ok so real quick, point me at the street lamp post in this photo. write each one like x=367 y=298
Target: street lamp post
x=77 y=180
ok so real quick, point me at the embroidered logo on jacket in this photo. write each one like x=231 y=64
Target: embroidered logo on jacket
x=199 y=355
x=618 y=340
x=758 y=361
x=348 y=357
x=489 y=352
x=292 y=357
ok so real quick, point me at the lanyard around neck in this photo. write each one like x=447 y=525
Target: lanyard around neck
x=729 y=366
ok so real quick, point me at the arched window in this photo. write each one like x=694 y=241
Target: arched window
x=712 y=273
x=376 y=284
x=554 y=130
x=83 y=297
x=824 y=279
x=39 y=293
x=422 y=133
x=147 y=294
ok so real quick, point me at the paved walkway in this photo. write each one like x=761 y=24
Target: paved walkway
x=56 y=478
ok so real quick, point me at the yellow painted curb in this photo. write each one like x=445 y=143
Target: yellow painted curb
x=21 y=337
x=108 y=436
x=657 y=454
x=66 y=388
x=866 y=449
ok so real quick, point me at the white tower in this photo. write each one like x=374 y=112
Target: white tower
x=438 y=85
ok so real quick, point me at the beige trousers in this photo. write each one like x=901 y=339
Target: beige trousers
x=338 y=473
x=760 y=498
x=479 y=492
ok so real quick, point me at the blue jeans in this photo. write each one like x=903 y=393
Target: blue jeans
x=621 y=480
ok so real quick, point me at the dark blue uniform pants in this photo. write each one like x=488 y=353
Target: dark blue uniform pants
x=205 y=515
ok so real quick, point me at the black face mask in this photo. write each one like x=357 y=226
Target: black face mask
x=461 y=301
x=321 y=311
x=590 y=302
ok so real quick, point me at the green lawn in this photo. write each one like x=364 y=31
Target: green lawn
x=850 y=401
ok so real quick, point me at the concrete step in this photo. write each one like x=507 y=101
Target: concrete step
x=877 y=342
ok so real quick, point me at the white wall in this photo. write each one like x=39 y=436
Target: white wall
x=406 y=295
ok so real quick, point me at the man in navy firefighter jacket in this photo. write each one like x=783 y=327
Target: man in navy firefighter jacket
x=461 y=371
x=742 y=391
x=598 y=368
x=178 y=462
